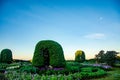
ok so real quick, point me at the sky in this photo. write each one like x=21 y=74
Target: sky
x=88 y=25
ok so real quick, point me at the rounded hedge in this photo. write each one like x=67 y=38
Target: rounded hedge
x=6 y=56
x=79 y=56
x=53 y=49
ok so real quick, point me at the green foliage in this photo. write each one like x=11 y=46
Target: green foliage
x=90 y=61
x=89 y=69
x=73 y=67
x=110 y=57
x=79 y=56
x=53 y=49
x=18 y=60
x=116 y=76
x=100 y=57
x=29 y=69
x=117 y=65
x=56 y=72
x=67 y=73
x=3 y=65
x=90 y=72
x=6 y=56
x=71 y=76
x=2 y=76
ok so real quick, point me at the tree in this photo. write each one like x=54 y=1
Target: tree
x=100 y=56
x=48 y=52
x=110 y=57
x=79 y=56
x=6 y=56
x=118 y=56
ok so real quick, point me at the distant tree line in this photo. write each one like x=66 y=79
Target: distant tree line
x=109 y=57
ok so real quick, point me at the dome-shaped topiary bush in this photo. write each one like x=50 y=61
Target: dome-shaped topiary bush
x=79 y=56
x=6 y=56
x=48 y=52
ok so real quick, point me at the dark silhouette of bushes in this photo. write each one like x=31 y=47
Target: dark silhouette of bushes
x=109 y=57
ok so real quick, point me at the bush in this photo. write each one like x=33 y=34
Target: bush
x=106 y=67
x=110 y=57
x=29 y=69
x=18 y=60
x=90 y=72
x=117 y=65
x=91 y=61
x=72 y=76
x=2 y=70
x=52 y=50
x=94 y=69
x=72 y=69
x=3 y=65
x=2 y=76
x=6 y=56
x=116 y=76
x=79 y=56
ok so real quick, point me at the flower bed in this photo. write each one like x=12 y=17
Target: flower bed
x=86 y=73
x=105 y=67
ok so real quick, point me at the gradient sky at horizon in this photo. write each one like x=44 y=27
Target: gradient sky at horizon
x=88 y=25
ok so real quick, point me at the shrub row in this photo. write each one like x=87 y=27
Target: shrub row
x=74 y=76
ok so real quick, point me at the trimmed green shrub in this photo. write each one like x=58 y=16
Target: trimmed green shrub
x=90 y=72
x=29 y=69
x=79 y=56
x=6 y=56
x=48 y=52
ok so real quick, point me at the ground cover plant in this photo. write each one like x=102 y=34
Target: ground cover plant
x=111 y=75
x=72 y=71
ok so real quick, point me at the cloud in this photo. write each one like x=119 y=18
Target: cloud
x=95 y=36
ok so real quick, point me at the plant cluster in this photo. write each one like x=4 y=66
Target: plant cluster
x=104 y=67
x=116 y=76
x=29 y=69
x=3 y=65
x=71 y=76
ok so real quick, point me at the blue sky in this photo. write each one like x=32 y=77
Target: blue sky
x=88 y=25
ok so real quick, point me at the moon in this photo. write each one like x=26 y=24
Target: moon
x=100 y=18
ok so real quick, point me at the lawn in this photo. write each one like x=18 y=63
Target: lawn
x=111 y=75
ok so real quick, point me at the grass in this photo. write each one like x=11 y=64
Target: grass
x=111 y=75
